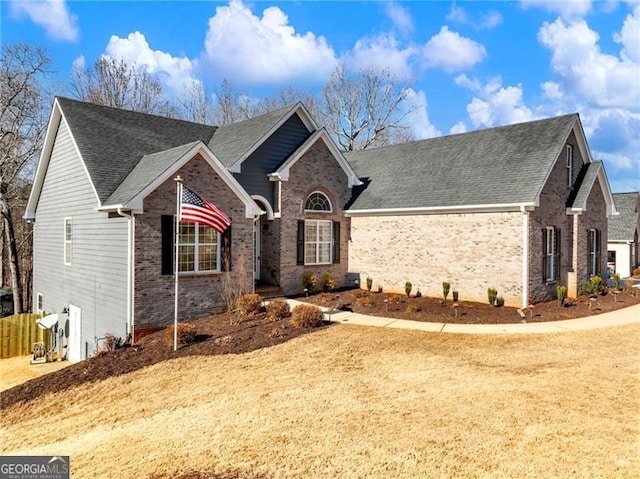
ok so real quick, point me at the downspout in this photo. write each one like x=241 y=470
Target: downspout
x=130 y=271
x=525 y=256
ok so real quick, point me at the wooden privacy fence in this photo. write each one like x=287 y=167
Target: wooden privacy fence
x=18 y=333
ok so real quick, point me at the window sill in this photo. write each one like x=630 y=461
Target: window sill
x=191 y=274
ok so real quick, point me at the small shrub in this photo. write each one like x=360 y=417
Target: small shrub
x=445 y=289
x=309 y=281
x=561 y=291
x=499 y=302
x=636 y=272
x=418 y=293
x=454 y=293
x=278 y=309
x=586 y=289
x=615 y=277
x=276 y=333
x=365 y=301
x=596 y=283
x=306 y=316
x=492 y=293
x=379 y=288
x=186 y=334
x=328 y=282
x=412 y=308
x=395 y=299
x=407 y=288
x=248 y=304
x=224 y=340
x=369 y=283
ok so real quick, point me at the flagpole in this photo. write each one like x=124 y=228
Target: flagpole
x=178 y=180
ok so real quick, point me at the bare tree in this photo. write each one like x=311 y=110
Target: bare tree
x=22 y=129
x=363 y=109
x=196 y=104
x=120 y=84
x=231 y=106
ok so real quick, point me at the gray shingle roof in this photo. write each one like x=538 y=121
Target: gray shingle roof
x=113 y=141
x=586 y=181
x=504 y=165
x=231 y=142
x=623 y=226
x=145 y=172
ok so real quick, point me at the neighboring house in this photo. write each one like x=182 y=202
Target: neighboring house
x=522 y=208
x=624 y=229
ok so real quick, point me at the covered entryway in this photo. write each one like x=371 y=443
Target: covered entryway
x=266 y=245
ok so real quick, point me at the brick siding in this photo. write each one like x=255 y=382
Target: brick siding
x=200 y=295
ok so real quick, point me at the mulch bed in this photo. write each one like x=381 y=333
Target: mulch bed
x=438 y=310
x=216 y=334
x=219 y=334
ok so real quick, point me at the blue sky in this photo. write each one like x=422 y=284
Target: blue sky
x=471 y=65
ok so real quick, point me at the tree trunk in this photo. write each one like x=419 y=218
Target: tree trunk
x=14 y=266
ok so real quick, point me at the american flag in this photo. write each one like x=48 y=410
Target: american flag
x=195 y=209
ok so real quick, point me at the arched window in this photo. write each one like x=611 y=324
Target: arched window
x=317 y=201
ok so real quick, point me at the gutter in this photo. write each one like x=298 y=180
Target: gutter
x=130 y=270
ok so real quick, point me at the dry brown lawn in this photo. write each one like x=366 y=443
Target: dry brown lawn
x=358 y=402
x=14 y=371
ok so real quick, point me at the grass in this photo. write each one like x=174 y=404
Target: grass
x=358 y=402
x=14 y=371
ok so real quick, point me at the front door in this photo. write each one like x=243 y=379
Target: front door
x=75 y=333
x=256 y=249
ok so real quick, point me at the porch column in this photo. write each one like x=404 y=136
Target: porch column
x=572 y=275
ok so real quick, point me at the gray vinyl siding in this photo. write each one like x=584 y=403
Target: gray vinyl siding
x=96 y=280
x=271 y=154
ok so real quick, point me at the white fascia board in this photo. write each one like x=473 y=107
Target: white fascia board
x=282 y=173
x=136 y=203
x=56 y=117
x=305 y=117
x=499 y=208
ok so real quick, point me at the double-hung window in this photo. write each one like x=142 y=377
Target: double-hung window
x=318 y=238
x=593 y=267
x=569 y=152
x=68 y=236
x=551 y=253
x=318 y=241
x=198 y=249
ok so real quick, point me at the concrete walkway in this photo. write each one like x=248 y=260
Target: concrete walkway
x=620 y=317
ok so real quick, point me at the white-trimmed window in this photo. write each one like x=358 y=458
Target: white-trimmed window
x=68 y=237
x=569 y=153
x=593 y=267
x=318 y=241
x=317 y=202
x=39 y=303
x=198 y=249
x=551 y=253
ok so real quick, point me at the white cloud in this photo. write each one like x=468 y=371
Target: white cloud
x=629 y=37
x=459 y=127
x=400 y=17
x=418 y=116
x=174 y=72
x=459 y=15
x=246 y=48
x=495 y=105
x=451 y=51
x=601 y=79
x=52 y=15
x=567 y=9
x=552 y=90
x=381 y=52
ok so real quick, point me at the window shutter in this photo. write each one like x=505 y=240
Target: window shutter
x=168 y=235
x=544 y=255
x=300 y=243
x=598 y=255
x=556 y=252
x=336 y=242
x=226 y=250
